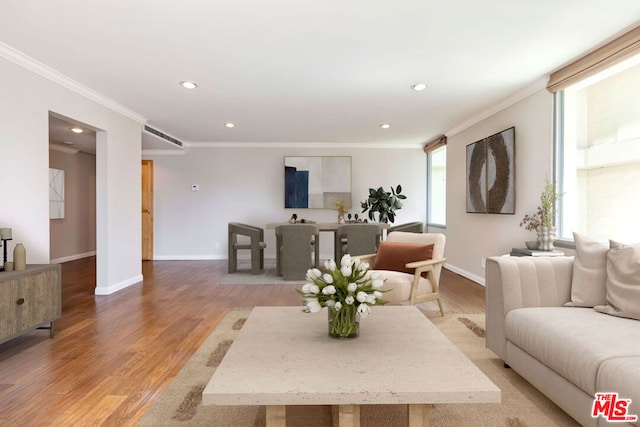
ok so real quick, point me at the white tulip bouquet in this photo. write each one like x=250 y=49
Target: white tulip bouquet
x=347 y=290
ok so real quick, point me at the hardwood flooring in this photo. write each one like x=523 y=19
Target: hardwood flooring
x=112 y=355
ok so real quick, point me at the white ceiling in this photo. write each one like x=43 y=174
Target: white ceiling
x=310 y=71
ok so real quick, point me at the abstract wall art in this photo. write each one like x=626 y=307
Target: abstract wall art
x=56 y=193
x=491 y=174
x=317 y=181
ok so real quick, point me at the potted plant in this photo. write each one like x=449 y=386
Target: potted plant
x=542 y=220
x=384 y=202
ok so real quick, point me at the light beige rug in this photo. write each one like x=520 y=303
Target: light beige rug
x=522 y=405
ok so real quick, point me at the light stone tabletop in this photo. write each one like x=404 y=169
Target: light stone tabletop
x=283 y=356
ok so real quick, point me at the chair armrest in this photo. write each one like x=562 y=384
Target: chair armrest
x=366 y=258
x=515 y=282
x=427 y=262
x=256 y=234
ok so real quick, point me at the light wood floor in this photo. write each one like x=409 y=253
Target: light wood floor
x=112 y=355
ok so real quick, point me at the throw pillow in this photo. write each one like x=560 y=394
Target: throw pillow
x=394 y=255
x=588 y=284
x=623 y=281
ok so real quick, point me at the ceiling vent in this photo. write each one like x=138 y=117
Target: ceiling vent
x=162 y=135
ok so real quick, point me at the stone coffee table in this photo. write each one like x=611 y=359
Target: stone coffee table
x=283 y=356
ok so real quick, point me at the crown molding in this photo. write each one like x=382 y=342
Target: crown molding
x=25 y=61
x=63 y=149
x=513 y=99
x=298 y=145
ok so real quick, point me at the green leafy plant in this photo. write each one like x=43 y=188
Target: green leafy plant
x=546 y=211
x=384 y=202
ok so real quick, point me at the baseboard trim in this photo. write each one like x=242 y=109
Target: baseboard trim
x=72 y=257
x=108 y=290
x=478 y=279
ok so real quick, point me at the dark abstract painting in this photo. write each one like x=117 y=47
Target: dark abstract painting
x=491 y=174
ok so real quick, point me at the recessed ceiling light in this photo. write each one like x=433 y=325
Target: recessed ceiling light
x=385 y=125
x=76 y=129
x=188 y=84
x=229 y=125
x=419 y=86
x=68 y=142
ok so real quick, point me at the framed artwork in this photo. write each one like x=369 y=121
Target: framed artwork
x=491 y=174
x=317 y=181
x=56 y=193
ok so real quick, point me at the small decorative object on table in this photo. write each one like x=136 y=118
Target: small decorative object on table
x=342 y=208
x=542 y=220
x=348 y=291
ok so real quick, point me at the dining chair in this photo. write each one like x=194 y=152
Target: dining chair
x=412 y=227
x=256 y=245
x=411 y=264
x=357 y=239
x=295 y=244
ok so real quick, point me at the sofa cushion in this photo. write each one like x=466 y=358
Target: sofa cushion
x=572 y=341
x=398 y=285
x=394 y=255
x=622 y=375
x=588 y=284
x=623 y=281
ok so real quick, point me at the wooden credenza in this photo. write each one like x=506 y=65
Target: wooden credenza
x=29 y=299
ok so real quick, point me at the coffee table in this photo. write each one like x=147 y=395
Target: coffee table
x=283 y=356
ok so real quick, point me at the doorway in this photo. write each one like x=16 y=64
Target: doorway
x=147 y=210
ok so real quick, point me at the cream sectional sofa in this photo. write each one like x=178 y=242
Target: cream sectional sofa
x=567 y=352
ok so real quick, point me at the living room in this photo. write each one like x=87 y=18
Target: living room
x=243 y=181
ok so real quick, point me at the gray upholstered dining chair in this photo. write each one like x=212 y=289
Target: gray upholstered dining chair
x=357 y=239
x=294 y=246
x=411 y=227
x=255 y=244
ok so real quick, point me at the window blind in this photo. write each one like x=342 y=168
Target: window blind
x=592 y=63
x=436 y=143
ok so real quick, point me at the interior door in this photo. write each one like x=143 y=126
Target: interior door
x=147 y=209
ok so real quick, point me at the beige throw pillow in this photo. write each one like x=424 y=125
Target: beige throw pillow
x=588 y=285
x=623 y=281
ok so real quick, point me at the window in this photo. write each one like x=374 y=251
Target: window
x=436 y=186
x=598 y=154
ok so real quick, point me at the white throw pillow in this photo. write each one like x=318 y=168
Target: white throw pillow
x=623 y=281
x=588 y=284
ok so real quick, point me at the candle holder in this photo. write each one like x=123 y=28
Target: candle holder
x=4 y=248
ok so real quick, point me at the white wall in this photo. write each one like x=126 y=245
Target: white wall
x=27 y=98
x=471 y=237
x=247 y=185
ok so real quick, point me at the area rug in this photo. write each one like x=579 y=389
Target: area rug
x=522 y=405
x=269 y=277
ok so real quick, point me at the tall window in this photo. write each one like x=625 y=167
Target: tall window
x=436 y=185
x=598 y=154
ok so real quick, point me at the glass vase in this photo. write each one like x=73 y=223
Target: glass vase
x=344 y=323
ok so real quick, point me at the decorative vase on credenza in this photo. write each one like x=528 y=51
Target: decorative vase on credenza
x=19 y=257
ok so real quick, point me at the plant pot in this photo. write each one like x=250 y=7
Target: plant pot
x=546 y=237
